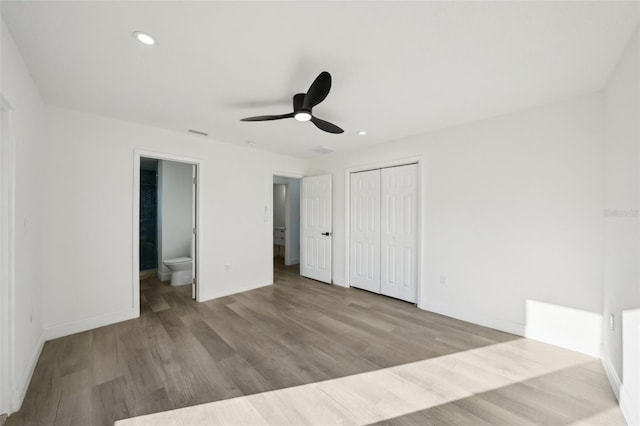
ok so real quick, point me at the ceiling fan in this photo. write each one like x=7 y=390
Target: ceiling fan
x=303 y=104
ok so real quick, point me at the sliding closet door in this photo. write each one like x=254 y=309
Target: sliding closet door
x=365 y=231
x=399 y=236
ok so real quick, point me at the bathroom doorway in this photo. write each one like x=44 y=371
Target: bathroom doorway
x=286 y=223
x=167 y=241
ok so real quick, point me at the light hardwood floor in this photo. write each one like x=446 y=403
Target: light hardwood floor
x=286 y=342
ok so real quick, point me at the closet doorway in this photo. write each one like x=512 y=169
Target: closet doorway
x=384 y=231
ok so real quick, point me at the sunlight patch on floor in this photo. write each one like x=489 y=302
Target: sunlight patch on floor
x=382 y=394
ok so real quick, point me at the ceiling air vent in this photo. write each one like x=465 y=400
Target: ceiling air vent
x=198 y=132
x=323 y=150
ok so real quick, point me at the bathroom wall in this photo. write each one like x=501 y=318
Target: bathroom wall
x=175 y=210
x=292 y=237
x=148 y=220
x=279 y=194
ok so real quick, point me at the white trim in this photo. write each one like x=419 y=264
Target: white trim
x=235 y=290
x=347 y=214
x=614 y=380
x=269 y=216
x=7 y=262
x=472 y=317
x=25 y=380
x=629 y=408
x=23 y=384
x=287 y=224
x=135 y=298
x=90 y=323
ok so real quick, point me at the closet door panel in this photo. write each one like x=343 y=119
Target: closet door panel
x=399 y=232
x=365 y=231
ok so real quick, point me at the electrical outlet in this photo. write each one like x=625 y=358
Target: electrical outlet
x=611 y=322
x=227 y=267
x=443 y=279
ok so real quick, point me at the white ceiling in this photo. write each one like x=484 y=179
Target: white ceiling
x=399 y=68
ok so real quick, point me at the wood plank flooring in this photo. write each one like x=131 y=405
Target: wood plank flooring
x=297 y=333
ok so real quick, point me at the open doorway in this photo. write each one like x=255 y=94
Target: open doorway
x=167 y=244
x=286 y=224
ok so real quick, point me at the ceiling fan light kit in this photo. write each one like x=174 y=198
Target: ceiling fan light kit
x=303 y=104
x=302 y=116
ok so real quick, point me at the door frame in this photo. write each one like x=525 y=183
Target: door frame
x=7 y=259
x=199 y=202
x=269 y=214
x=347 y=214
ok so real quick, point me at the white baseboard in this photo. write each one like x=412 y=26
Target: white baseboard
x=295 y=261
x=20 y=388
x=230 y=291
x=629 y=407
x=475 y=318
x=55 y=331
x=614 y=380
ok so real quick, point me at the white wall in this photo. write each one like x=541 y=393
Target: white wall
x=622 y=206
x=20 y=92
x=175 y=212
x=292 y=234
x=88 y=197
x=279 y=194
x=511 y=213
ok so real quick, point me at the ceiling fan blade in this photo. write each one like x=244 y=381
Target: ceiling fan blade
x=298 y=101
x=268 y=117
x=318 y=91
x=326 y=126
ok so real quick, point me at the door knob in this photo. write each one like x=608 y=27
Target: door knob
x=328 y=234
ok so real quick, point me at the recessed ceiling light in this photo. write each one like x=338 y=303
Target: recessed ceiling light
x=144 y=38
x=362 y=132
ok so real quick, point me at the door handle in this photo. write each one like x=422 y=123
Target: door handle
x=328 y=234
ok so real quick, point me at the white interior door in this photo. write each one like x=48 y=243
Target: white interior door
x=315 y=259
x=365 y=230
x=399 y=235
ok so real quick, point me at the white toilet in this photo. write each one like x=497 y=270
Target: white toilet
x=181 y=270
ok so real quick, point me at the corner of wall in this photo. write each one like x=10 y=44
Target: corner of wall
x=630 y=409
x=20 y=389
x=614 y=380
x=60 y=330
